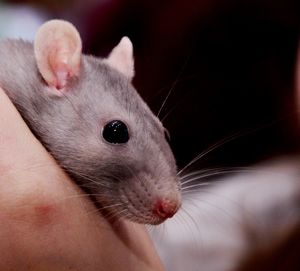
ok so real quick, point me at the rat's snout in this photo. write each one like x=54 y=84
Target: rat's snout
x=150 y=203
x=166 y=208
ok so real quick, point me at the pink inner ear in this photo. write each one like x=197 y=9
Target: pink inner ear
x=62 y=75
x=64 y=62
x=121 y=58
x=58 y=52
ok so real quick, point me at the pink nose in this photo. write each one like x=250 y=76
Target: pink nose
x=165 y=208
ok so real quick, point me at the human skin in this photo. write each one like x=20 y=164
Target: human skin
x=47 y=222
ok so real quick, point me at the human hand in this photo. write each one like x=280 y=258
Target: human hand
x=47 y=222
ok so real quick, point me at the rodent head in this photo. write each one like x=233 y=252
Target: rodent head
x=115 y=147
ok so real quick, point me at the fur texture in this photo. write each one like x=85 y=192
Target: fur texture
x=128 y=177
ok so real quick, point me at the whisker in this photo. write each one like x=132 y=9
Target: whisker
x=234 y=202
x=229 y=139
x=115 y=214
x=81 y=195
x=199 y=172
x=88 y=178
x=111 y=208
x=208 y=174
x=210 y=149
x=198 y=185
x=169 y=112
x=216 y=173
x=190 y=229
x=222 y=210
x=173 y=86
x=168 y=95
x=186 y=178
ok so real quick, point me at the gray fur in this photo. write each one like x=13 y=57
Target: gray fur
x=134 y=174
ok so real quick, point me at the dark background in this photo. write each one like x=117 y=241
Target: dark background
x=230 y=65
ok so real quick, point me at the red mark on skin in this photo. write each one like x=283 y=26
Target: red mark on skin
x=44 y=214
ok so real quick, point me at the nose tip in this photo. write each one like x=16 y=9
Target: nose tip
x=165 y=208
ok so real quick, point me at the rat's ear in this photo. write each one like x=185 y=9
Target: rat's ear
x=121 y=58
x=57 y=49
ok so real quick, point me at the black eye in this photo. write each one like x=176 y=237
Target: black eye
x=115 y=132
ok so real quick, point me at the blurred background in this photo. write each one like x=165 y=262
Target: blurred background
x=225 y=67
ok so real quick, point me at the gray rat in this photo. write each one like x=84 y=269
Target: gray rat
x=88 y=115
